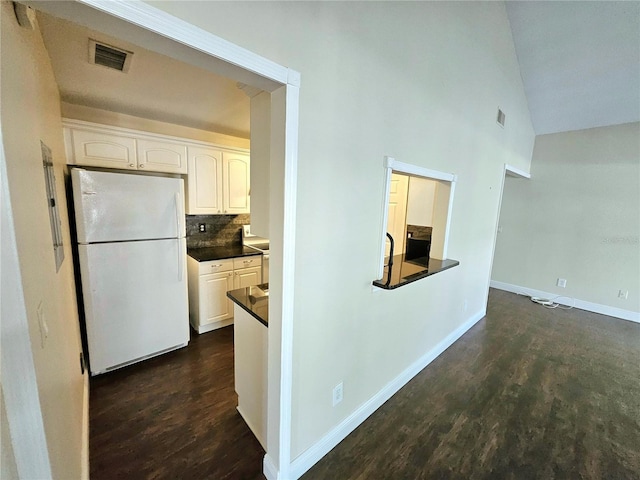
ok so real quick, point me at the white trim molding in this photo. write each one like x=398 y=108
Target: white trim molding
x=19 y=381
x=312 y=455
x=512 y=171
x=580 y=304
x=391 y=165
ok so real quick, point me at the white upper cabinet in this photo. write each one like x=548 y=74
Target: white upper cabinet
x=204 y=181
x=237 y=183
x=218 y=178
x=162 y=156
x=96 y=145
x=218 y=182
x=97 y=149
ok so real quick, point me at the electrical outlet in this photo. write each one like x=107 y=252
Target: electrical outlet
x=624 y=294
x=337 y=394
x=562 y=282
x=202 y=227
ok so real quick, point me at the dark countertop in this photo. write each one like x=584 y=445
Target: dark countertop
x=206 y=254
x=405 y=271
x=254 y=300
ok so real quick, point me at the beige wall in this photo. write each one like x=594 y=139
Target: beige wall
x=106 y=117
x=31 y=113
x=418 y=81
x=578 y=218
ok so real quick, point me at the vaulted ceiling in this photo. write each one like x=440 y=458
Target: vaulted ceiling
x=579 y=61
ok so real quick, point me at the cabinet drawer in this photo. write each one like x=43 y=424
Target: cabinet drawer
x=245 y=262
x=215 y=266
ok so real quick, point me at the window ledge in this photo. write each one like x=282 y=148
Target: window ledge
x=404 y=271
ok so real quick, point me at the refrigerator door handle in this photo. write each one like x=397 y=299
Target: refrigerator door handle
x=180 y=259
x=179 y=215
x=176 y=199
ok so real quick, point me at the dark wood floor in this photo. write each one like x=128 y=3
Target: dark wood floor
x=173 y=417
x=528 y=393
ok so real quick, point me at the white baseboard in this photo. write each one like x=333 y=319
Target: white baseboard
x=269 y=469
x=312 y=455
x=581 y=304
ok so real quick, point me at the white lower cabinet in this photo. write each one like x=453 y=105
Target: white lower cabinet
x=250 y=342
x=214 y=304
x=209 y=282
x=247 y=271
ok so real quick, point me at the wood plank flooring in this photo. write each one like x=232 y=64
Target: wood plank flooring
x=528 y=393
x=173 y=417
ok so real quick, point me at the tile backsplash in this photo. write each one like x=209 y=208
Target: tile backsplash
x=420 y=232
x=222 y=230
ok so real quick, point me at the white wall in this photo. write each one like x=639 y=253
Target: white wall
x=418 y=81
x=578 y=218
x=8 y=467
x=31 y=113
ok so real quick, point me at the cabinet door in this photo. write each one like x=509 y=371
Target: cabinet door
x=204 y=181
x=247 y=277
x=214 y=304
x=161 y=156
x=103 y=149
x=236 y=183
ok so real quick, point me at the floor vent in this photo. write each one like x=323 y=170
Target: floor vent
x=108 y=56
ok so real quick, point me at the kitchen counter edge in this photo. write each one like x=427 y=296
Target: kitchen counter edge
x=207 y=254
x=248 y=297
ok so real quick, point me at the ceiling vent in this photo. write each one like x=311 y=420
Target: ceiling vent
x=108 y=56
x=501 y=118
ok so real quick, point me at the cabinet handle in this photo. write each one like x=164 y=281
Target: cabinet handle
x=216 y=266
x=132 y=165
x=218 y=211
x=141 y=166
x=247 y=261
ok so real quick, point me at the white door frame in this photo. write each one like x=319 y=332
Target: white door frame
x=508 y=171
x=243 y=65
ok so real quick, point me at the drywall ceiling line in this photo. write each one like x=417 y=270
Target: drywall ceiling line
x=19 y=383
x=150 y=18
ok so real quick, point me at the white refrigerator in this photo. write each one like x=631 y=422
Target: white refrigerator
x=132 y=253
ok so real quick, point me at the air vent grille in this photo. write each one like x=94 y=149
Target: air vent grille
x=108 y=56
x=501 y=118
